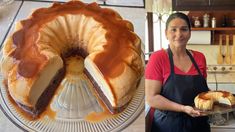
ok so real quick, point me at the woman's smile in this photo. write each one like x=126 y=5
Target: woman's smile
x=178 y=32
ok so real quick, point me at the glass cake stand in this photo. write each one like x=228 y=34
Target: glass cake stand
x=73 y=101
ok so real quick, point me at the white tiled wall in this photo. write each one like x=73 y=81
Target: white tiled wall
x=226 y=87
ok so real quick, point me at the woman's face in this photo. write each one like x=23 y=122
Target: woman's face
x=178 y=32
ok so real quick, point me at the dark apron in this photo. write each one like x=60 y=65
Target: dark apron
x=181 y=89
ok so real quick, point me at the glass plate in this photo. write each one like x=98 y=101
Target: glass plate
x=68 y=117
x=218 y=109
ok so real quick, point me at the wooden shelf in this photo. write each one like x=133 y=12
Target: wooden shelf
x=213 y=29
x=218 y=30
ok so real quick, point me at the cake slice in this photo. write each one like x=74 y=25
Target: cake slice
x=114 y=92
x=34 y=94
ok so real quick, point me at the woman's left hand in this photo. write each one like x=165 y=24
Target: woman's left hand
x=191 y=111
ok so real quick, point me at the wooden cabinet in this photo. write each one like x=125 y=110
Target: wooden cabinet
x=222 y=4
x=182 y=5
x=196 y=5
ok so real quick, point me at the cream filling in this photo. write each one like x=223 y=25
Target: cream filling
x=28 y=90
x=44 y=79
x=99 y=79
x=224 y=101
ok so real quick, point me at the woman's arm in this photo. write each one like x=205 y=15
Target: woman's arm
x=155 y=100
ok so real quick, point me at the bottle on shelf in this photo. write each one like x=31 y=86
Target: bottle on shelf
x=213 y=22
x=224 y=23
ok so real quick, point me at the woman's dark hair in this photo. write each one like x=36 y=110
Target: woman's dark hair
x=178 y=15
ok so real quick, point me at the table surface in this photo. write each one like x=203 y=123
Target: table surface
x=19 y=10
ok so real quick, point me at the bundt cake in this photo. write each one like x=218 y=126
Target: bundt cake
x=33 y=61
x=206 y=100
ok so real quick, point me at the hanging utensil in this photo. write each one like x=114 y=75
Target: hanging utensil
x=220 y=58
x=227 y=54
x=233 y=51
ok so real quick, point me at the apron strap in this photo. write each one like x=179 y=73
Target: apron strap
x=194 y=62
x=170 y=54
x=190 y=56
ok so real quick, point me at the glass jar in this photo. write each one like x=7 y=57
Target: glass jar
x=197 y=22
x=206 y=18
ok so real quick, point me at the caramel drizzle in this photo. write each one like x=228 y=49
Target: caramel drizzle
x=203 y=95
x=120 y=37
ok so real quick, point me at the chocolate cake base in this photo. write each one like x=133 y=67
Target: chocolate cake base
x=46 y=96
x=113 y=110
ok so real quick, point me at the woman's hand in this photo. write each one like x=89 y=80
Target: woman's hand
x=191 y=111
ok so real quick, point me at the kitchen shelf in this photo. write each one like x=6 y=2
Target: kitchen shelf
x=213 y=29
x=215 y=32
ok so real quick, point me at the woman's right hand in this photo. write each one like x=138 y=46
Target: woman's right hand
x=191 y=111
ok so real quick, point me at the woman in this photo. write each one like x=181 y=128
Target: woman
x=174 y=77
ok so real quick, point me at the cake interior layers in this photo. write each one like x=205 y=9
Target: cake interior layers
x=102 y=95
x=45 y=98
x=94 y=76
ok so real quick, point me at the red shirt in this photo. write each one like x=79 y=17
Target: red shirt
x=158 y=67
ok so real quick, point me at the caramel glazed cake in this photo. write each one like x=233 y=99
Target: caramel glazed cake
x=33 y=62
x=206 y=100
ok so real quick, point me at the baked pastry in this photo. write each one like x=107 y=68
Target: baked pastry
x=206 y=100
x=33 y=61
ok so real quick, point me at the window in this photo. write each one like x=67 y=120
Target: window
x=161 y=10
x=160 y=41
